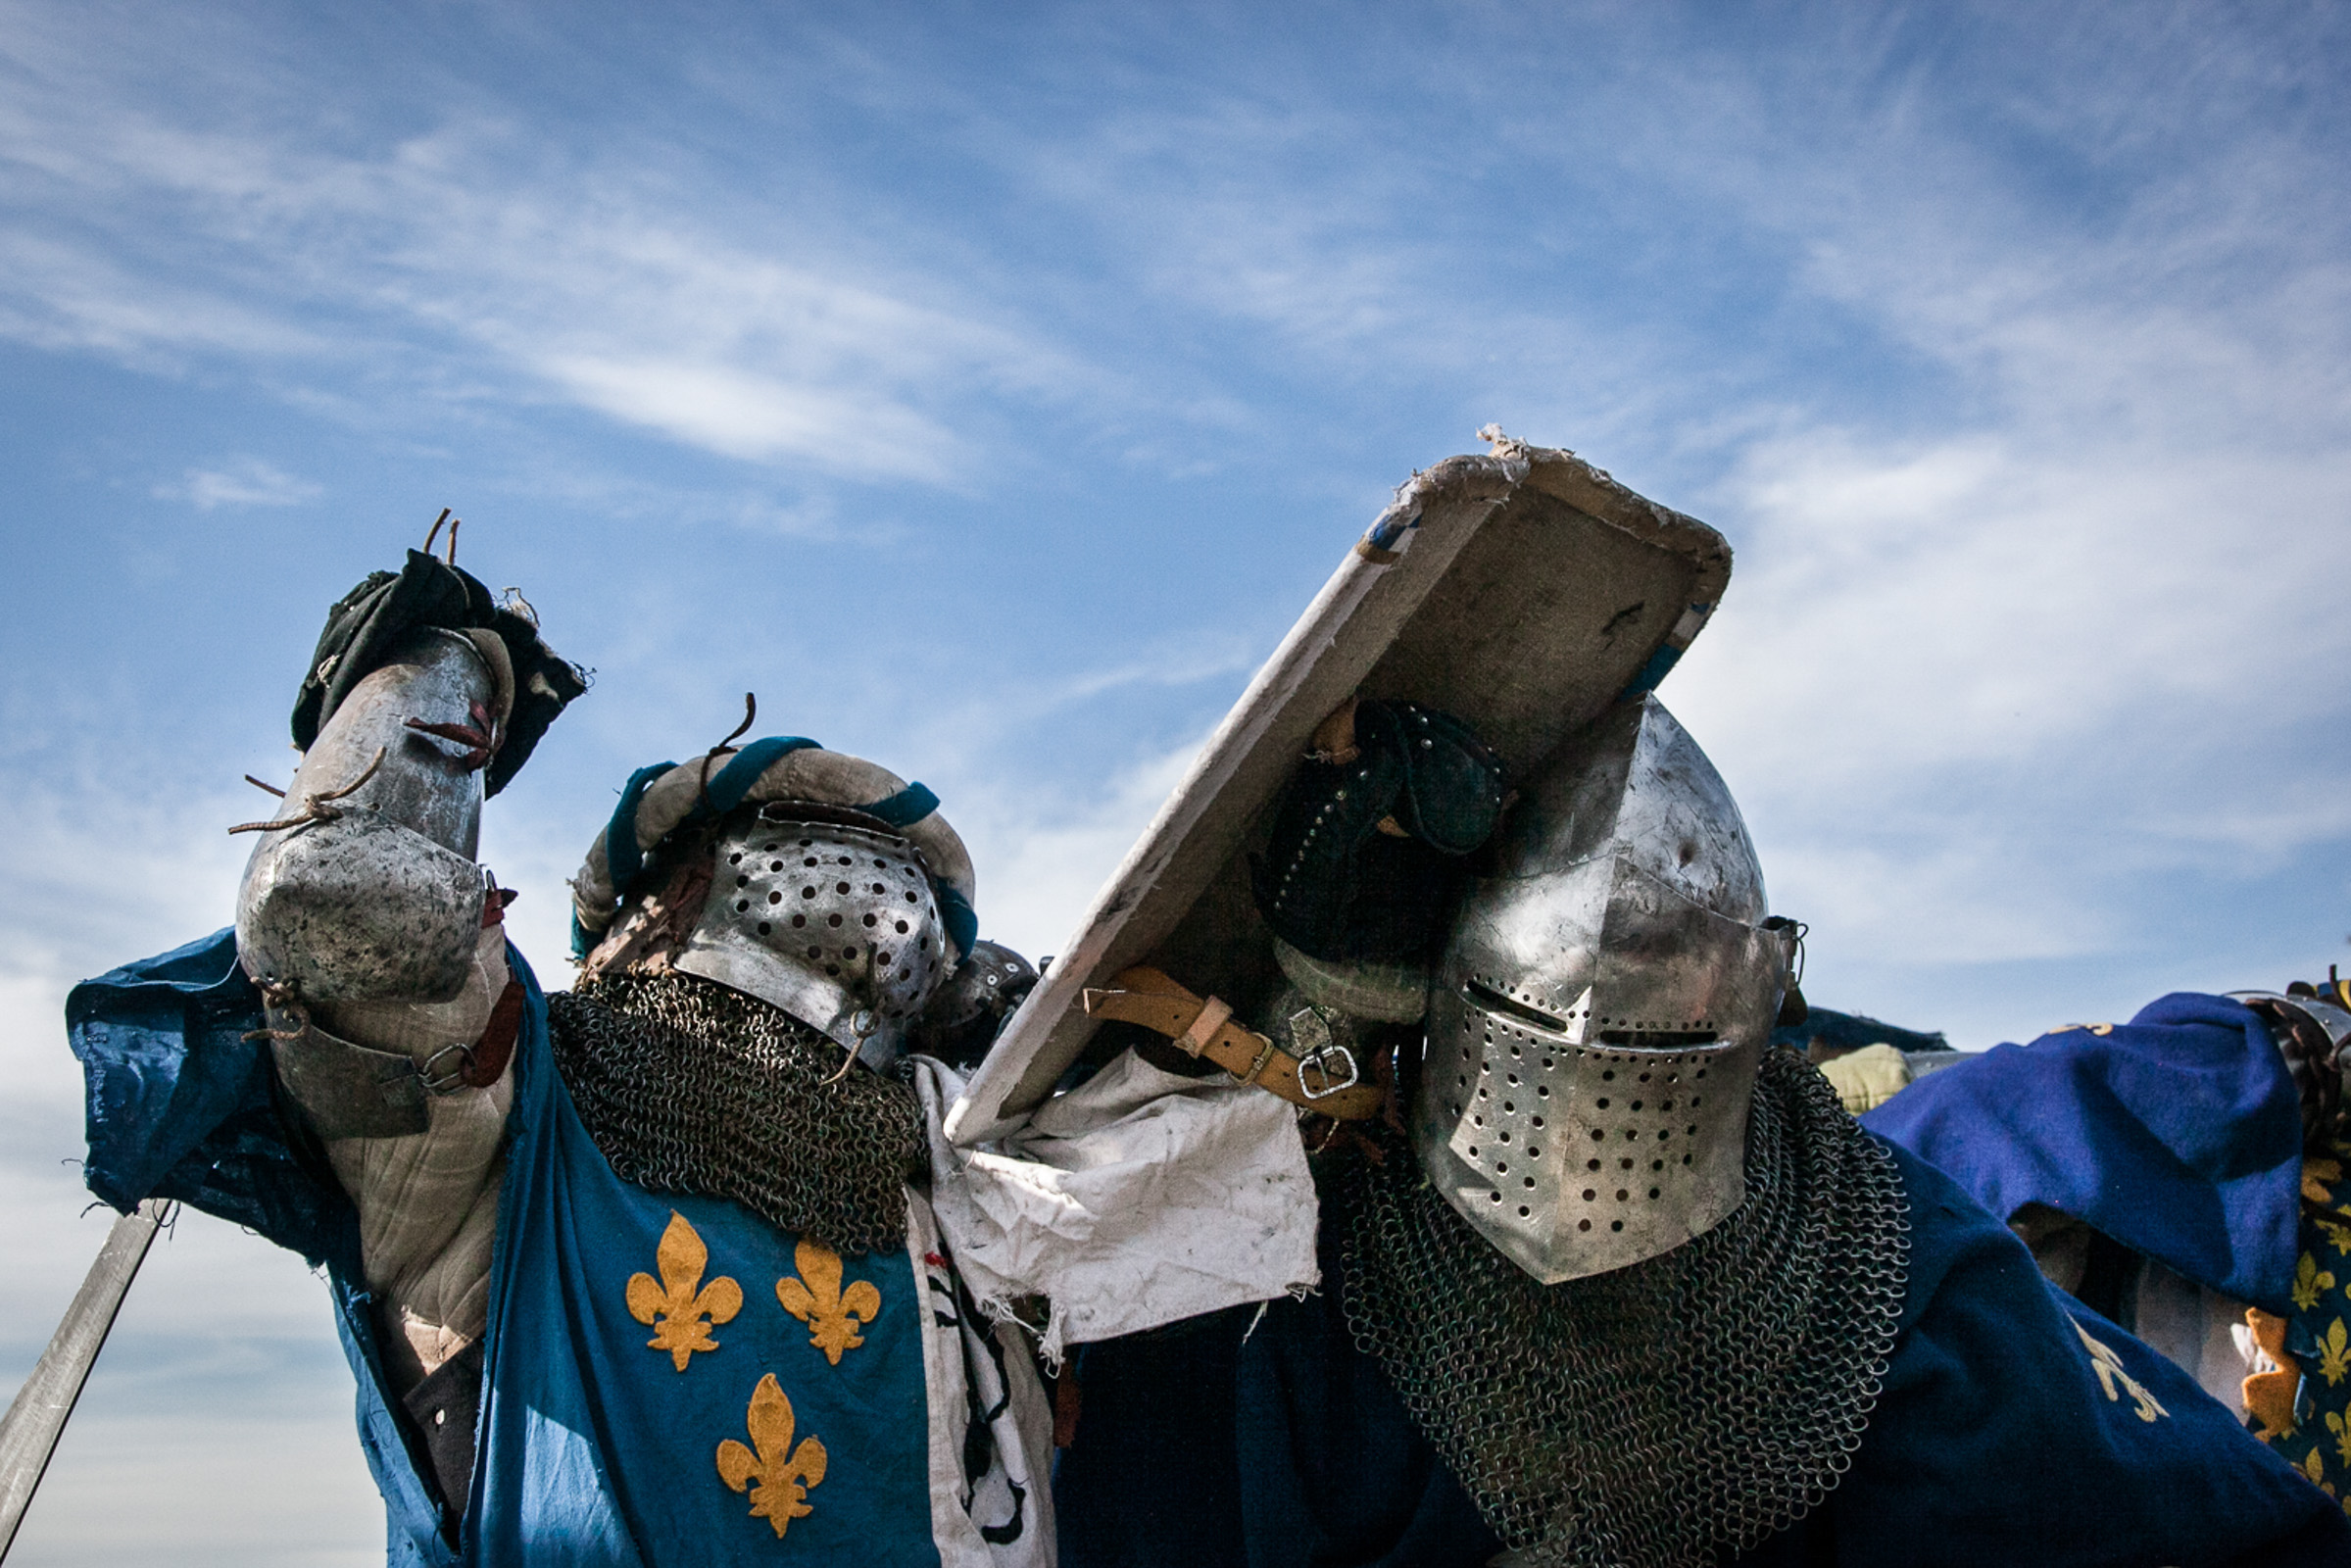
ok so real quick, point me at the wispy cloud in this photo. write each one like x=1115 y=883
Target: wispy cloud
x=668 y=307
x=741 y=414
x=1043 y=869
x=243 y=482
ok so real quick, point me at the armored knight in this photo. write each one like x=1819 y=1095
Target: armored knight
x=644 y=1273
x=1629 y=1286
x=1605 y=1277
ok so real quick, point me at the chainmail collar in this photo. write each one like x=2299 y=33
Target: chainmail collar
x=1704 y=1399
x=689 y=1087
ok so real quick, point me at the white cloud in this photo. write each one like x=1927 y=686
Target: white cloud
x=1042 y=868
x=741 y=414
x=1968 y=692
x=245 y=482
x=63 y=294
x=624 y=288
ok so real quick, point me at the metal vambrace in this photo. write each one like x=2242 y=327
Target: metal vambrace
x=365 y=891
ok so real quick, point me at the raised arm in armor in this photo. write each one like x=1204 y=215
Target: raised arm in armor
x=378 y=947
x=363 y=920
x=377 y=939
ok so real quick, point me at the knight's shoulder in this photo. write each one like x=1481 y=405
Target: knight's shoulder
x=2005 y=1403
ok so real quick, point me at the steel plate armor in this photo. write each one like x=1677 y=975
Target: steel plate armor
x=1599 y=1013
x=369 y=892
x=2312 y=1028
x=837 y=925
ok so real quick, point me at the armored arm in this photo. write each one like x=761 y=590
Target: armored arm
x=376 y=939
x=364 y=902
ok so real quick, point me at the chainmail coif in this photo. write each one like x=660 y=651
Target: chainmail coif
x=1707 y=1397
x=687 y=1086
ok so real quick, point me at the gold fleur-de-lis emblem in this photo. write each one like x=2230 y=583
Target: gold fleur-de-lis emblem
x=782 y=1473
x=2320 y=1177
x=2310 y=1282
x=833 y=1315
x=2334 y=1353
x=680 y=1307
x=2343 y=1435
x=2107 y=1362
x=2269 y=1395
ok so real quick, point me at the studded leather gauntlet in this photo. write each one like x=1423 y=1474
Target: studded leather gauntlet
x=1368 y=841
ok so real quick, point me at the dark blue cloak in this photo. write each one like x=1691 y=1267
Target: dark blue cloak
x=1997 y=1440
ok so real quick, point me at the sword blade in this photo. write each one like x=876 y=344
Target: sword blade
x=29 y=1433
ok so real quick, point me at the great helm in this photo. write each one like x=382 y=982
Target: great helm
x=810 y=879
x=1600 y=1009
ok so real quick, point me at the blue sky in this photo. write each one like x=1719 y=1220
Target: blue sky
x=989 y=387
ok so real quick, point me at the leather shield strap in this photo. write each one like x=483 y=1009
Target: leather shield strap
x=1206 y=1028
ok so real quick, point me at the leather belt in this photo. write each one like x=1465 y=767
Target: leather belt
x=1325 y=1083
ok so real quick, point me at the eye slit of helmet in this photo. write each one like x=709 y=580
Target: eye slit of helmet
x=1656 y=1039
x=1485 y=996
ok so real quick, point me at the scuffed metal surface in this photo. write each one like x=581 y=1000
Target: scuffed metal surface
x=376 y=897
x=360 y=910
x=837 y=925
x=1596 y=1021
x=346 y=1090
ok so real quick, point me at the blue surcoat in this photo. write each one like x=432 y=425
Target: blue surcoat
x=650 y=1397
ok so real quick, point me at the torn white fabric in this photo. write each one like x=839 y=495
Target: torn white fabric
x=991 y=1429
x=1134 y=1200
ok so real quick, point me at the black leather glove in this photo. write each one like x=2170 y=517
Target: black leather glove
x=1365 y=858
x=367 y=623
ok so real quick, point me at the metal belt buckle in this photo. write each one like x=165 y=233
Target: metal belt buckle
x=442 y=1080
x=1320 y=1062
x=1310 y=1034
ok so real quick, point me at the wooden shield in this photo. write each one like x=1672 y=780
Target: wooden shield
x=1523 y=591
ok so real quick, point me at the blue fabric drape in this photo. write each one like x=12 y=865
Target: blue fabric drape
x=597 y=1449
x=178 y=1104
x=2176 y=1133
x=181 y=1106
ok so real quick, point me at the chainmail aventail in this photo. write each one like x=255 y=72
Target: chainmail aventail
x=689 y=1087
x=1704 y=1399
